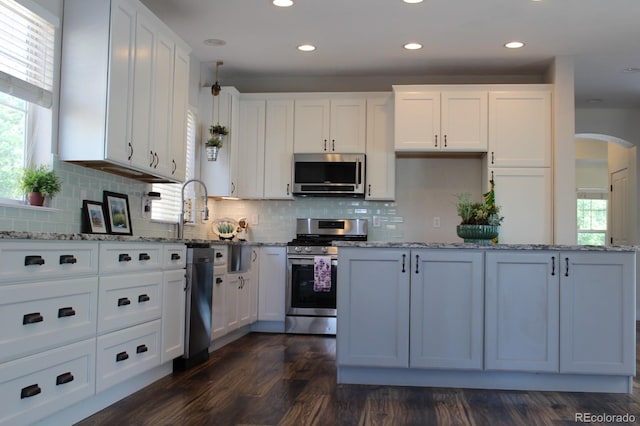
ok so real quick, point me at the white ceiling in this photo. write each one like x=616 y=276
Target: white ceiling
x=361 y=40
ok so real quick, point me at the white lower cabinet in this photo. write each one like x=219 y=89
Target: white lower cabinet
x=218 y=303
x=173 y=314
x=272 y=279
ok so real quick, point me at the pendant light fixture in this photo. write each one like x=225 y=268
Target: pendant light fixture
x=215 y=89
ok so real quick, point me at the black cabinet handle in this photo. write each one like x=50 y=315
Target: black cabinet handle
x=175 y=167
x=218 y=280
x=436 y=136
x=124 y=257
x=68 y=259
x=32 y=318
x=122 y=356
x=130 y=151
x=325 y=144
x=288 y=186
x=64 y=378
x=157 y=160
x=404 y=258
x=219 y=255
x=553 y=266
x=151 y=159
x=175 y=256
x=566 y=272
x=123 y=301
x=417 y=263
x=30 y=391
x=33 y=260
x=141 y=349
x=144 y=256
x=66 y=312
x=369 y=194
x=255 y=255
x=445 y=141
x=333 y=144
x=493 y=157
x=143 y=298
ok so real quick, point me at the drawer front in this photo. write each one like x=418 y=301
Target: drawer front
x=174 y=256
x=220 y=256
x=34 y=260
x=43 y=315
x=41 y=384
x=126 y=300
x=120 y=258
x=125 y=353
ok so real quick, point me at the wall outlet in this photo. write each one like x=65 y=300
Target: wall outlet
x=376 y=221
x=436 y=222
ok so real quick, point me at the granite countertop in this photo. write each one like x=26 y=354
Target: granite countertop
x=419 y=245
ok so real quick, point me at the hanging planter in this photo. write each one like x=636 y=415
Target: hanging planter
x=214 y=143
x=212 y=153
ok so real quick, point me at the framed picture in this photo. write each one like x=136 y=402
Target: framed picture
x=93 y=218
x=118 y=216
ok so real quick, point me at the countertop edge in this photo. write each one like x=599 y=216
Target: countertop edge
x=534 y=247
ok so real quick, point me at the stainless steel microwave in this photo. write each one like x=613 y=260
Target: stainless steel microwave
x=327 y=175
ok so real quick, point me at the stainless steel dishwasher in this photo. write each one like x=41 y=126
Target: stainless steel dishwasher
x=200 y=258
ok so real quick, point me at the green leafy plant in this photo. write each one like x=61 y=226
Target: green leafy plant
x=40 y=179
x=486 y=212
x=217 y=132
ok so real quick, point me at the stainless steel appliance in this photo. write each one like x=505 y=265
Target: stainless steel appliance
x=325 y=175
x=200 y=258
x=310 y=307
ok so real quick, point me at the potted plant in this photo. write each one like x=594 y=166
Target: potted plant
x=480 y=220
x=39 y=182
x=214 y=143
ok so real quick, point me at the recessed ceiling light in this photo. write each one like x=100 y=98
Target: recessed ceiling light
x=214 y=42
x=632 y=69
x=306 y=48
x=413 y=46
x=283 y=3
x=412 y=1
x=514 y=45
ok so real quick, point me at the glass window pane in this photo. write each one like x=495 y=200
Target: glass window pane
x=13 y=117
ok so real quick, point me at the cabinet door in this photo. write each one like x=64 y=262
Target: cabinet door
x=597 y=313
x=177 y=158
x=464 y=121
x=521 y=311
x=381 y=158
x=520 y=129
x=348 y=125
x=447 y=309
x=311 y=128
x=173 y=314
x=525 y=198
x=245 y=299
x=231 y=301
x=162 y=105
x=250 y=159
x=271 y=283
x=417 y=121
x=373 y=307
x=218 y=304
x=278 y=149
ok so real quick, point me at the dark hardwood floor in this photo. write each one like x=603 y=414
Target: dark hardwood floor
x=276 y=379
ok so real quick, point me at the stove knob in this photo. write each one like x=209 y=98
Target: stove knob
x=297 y=249
x=307 y=249
x=324 y=249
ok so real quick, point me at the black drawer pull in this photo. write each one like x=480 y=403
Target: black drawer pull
x=68 y=259
x=32 y=318
x=175 y=256
x=122 y=356
x=66 y=312
x=219 y=255
x=124 y=257
x=141 y=349
x=64 y=378
x=144 y=256
x=30 y=391
x=143 y=298
x=124 y=301
x=218 y=280
x=33 y=260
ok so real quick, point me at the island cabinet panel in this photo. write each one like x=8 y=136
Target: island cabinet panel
x=521 y=311
x=597 y=295
x=447 y=309
x=373 y=307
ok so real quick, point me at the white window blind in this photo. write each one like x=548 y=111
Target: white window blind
x=27 y=43
x=168 y=208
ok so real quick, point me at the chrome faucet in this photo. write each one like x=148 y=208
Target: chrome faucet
x=205 y=209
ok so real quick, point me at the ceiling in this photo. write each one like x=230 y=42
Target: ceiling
x=361 y=41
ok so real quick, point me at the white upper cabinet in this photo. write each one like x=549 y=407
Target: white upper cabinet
x=118 y=86
x=381 y=183
x=520 y=129
x=336 y=125
x=250 y=158
x=278 y=149
x=427 y=121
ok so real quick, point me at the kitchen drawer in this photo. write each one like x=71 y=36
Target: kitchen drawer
x=174 y=256
x=221 y=255
x=39 y=385
x=34 y=260
x=121 y=258
x=126 y=300
x=125 y=353
x=42 y=315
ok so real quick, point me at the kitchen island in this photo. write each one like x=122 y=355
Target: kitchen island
x=530 y=317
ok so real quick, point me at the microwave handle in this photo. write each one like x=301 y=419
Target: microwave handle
x=358 y=173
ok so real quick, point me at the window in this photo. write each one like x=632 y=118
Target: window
x=27 y=44
x=592 y=218
x=168 y=208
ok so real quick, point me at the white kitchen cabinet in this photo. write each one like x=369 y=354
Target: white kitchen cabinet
x=272 y=279
x=434 y=121
x=525 y=198
x=520 y=129
x=381 y=161
x=330 y=125
x=251 y=149
x=218 y=304
x=117 y=90
x=373 y=307
x=447 y=309
x=177 y=158
x=173 y=314
x=278 y=150
x=522 y=311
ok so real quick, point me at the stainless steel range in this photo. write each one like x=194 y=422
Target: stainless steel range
x=312 y=265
